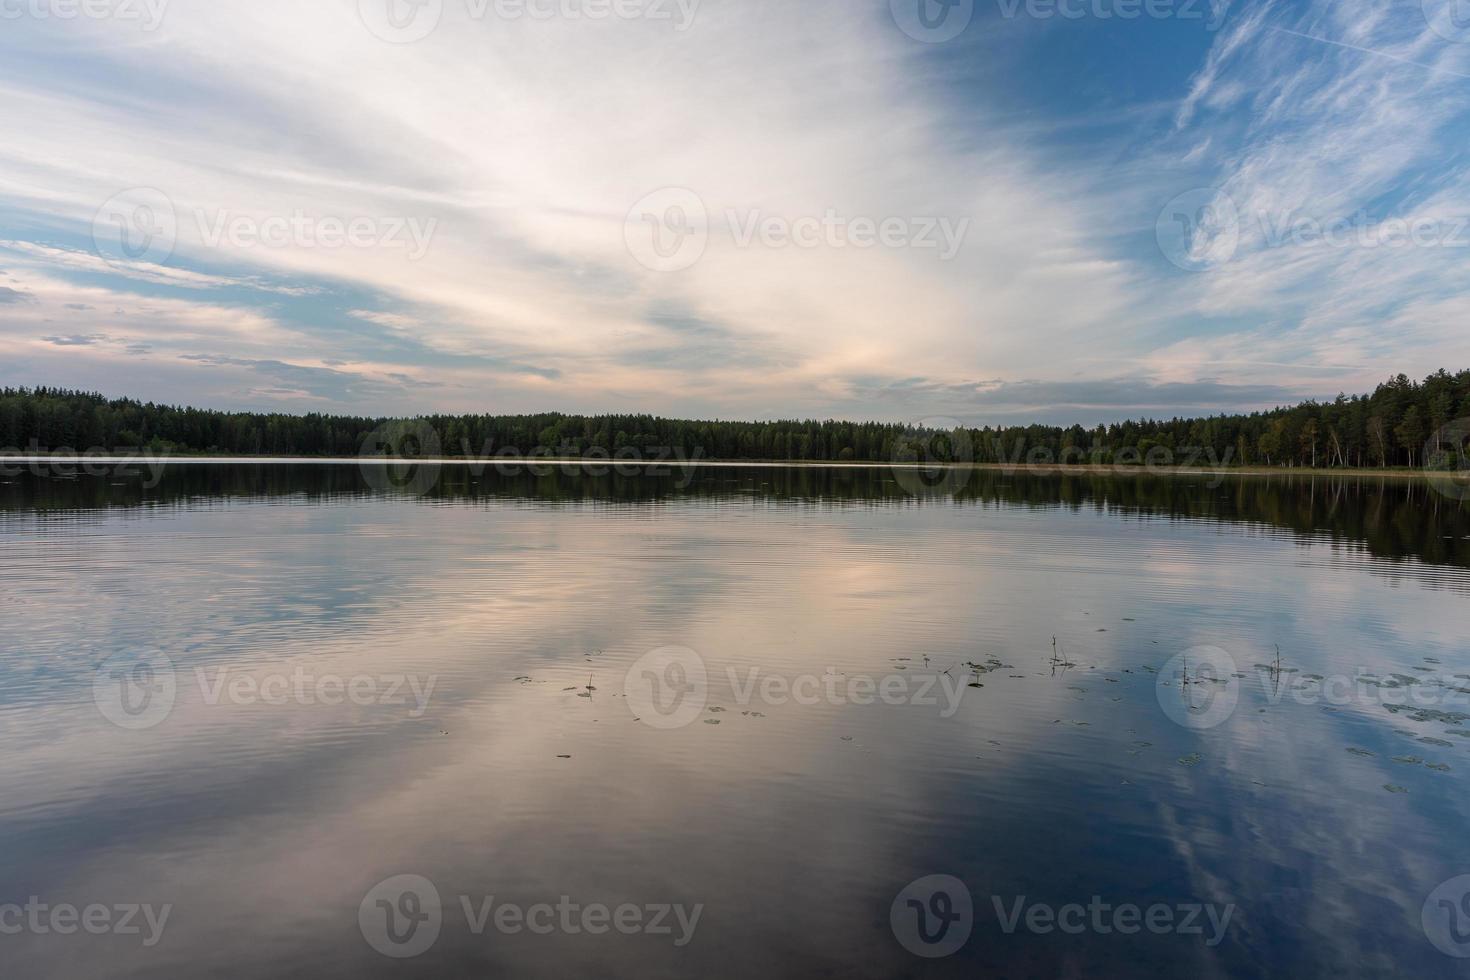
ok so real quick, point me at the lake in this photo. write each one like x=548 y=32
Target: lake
x=298 y=720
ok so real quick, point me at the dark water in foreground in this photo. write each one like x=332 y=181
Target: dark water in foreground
x=630 y=727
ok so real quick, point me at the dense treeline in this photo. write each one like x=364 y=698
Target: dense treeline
x=1403 y=423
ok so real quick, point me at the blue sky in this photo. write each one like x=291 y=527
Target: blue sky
x=986 y=210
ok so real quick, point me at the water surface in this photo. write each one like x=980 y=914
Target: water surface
x=512 y=762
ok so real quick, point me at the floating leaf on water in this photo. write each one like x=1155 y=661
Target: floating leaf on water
x=1431 y=714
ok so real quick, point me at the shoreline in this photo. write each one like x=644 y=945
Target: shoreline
x=1036 y=469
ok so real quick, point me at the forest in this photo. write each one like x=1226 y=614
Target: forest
x=1403 y=423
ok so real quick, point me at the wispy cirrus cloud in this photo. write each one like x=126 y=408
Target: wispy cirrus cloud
x=508 y=154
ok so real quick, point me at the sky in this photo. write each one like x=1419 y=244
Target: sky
x=990 y=211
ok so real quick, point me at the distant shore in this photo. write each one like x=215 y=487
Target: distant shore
x=1035 y=469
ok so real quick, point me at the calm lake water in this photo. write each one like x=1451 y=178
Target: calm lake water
x=719 y=726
